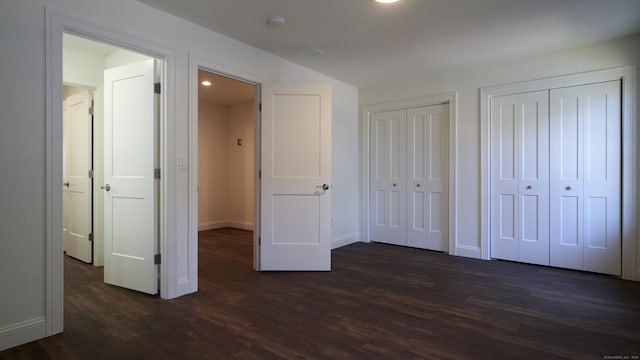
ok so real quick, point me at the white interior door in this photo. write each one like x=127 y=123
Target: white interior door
x=129 y=157
x=77 y=122
x=427 y=174
x=520 y=177
x=585 y=178
x=296 y=177
x=388 y=177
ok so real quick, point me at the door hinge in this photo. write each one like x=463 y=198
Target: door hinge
x=156 y=88
x=259 y=174
x=260 y=107
x=90 y=236
x=157 y=259
x=156 y=173
x=91 y=110
x=259 y=240
x=91 y=174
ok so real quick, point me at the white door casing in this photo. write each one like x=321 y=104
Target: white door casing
x=296 y=177
x=388 y=177
x=77 y=181
x=427 y=175
x=519 y=177
x=130 y=152
x=586 y=177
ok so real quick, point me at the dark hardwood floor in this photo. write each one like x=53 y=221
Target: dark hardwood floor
x=379 y=302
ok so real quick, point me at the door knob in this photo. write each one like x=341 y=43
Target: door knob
x=568 y=188
x=106 y=187
x=66 y=184
x=417 y=185
x=529 y=187
x=325 y=187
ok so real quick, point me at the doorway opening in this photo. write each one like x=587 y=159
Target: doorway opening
x=226 y=159
x=111 y=148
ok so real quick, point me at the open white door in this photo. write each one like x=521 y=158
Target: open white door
x=296 y=174
x=77 y=123
x=130 y=239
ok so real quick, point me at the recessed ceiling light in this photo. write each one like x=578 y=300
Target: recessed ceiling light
x=275 y=21
x=386 y=1
x=206 y=83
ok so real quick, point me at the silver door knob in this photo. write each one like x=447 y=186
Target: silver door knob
x=106 y=187
x=394 y=185
x=66 y=184
x=529 y=187
x=324 y=187
x=568 y=188
x=417 y=185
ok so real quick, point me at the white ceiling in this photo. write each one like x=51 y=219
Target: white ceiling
x=366 y=43
x=223 y=90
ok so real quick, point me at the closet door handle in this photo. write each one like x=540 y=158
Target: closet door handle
x=417 y=185
x=66 y=184
x=106 y=187
x=324 y=187
x=394 y=185
x=568 y=188
x=529 y=187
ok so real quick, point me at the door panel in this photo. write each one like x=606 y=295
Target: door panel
x=428 y=164
x=533 y=182
x=78 y=182
x=519 y=177
x=388 y=180
x=586 y=178
x=296 y=163
x=129 y=147
x=504 y=182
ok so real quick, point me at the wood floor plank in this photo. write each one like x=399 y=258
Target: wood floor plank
x=378 y=302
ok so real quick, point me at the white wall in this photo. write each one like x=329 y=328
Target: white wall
x=23 y=225
x=241 y=200
x=467 y=82
x=213 y=164
x=225 y=170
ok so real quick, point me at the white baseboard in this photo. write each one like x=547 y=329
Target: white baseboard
x=22 y=332
x=344 y=240
x=218 y=224
x=468 y=251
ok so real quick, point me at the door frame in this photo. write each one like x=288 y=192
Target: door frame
x=450 y=99
x=627 y=74
x=197 y=62
x=57 y=23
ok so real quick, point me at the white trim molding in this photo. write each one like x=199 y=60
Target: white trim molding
x=630 y=216
x=23 y=332
x=447 y=98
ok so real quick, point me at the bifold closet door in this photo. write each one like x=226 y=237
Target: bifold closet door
x=388 y=177
x=585 y=178
x=427 y=174
x=520 y=177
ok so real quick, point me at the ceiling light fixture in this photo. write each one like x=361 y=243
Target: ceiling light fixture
x=206 y=83
x=386 y=1
x=275 y=21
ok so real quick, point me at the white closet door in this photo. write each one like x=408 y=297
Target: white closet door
x=533 y=179
x=504 y=181
x=585 y=178
x=519 y=177
x=427 y=169
x=388 y=181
